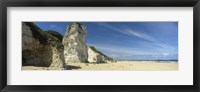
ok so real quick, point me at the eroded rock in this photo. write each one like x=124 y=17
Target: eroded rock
x=40 y=48
x=75 y=49
x=95 y=56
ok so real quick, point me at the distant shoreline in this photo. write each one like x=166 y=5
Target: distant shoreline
x=142 y=60
x=147 y=61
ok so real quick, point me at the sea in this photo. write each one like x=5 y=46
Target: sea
x=160 y=61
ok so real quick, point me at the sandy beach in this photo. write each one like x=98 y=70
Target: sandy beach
x=120 y=65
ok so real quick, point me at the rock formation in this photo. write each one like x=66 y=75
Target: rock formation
x=95 y=56
x=40 y=48
x=51 y=49
x=75 y=49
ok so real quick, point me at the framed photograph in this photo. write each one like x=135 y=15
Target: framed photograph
x=85 y=45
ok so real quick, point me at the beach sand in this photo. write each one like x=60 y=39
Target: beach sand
x=120 y=65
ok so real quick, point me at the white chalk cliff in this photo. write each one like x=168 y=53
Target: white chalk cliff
x=50 y=49
x=75 y=49
x=95 y=57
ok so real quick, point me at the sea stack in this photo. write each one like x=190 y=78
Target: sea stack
x=75 y=48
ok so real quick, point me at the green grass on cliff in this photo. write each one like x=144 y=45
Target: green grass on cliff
x=44 y=37
x=95 y=50
x=55 y=34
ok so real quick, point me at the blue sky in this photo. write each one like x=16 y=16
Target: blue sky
x=128 y=40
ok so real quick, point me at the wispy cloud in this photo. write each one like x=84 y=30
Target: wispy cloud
x=165 y=47
x=128 y=31
x=120 y=52
x=141 y=35
x=156 y=44
x=118 y=49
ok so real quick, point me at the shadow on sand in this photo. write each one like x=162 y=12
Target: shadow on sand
x=71 y=67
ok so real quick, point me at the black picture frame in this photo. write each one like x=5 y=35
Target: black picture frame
x=100 y=3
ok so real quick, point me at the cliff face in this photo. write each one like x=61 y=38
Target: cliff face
x=58 y=58
x=95 y=56
x=40 y=48
x=75 y=49
x=50 y=49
